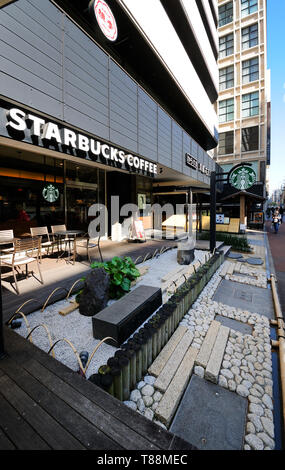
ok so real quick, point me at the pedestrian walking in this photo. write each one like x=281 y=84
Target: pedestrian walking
x=281 y=212
x=276 y=221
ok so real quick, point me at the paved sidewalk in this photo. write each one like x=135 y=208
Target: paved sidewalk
x=277 y=248
x=237 y=405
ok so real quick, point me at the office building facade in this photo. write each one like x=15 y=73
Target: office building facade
x=244 y=105
x=104 y=98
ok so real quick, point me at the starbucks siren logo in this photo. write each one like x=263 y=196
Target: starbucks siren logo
x=242 y=178
x=50 y=193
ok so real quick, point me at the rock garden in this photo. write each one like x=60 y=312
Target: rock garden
x=172 y=338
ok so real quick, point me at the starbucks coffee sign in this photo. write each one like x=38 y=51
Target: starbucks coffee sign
x=48 y=134
x=242 y=177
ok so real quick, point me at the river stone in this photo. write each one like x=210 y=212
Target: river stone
x=147 y=390
x=135 y=395
x=254 y=442
x=131 y=405
x=95 y=294
x=242 y=391
x=268 y=426
x=141 y=404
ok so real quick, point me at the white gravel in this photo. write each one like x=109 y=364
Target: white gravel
x=78 y=329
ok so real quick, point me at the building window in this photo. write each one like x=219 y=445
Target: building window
x=226 y=45
x=250 y=70
x=226 y=78
x=225 y=14
x=226 y=110
x=250 y=139
x=249 y=36
x=248 y=7
x=226 y=143
x=250 y=104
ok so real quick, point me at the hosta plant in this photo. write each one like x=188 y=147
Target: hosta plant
x=122 y=272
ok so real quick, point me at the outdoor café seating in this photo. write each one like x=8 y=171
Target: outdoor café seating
x=6 y=238
x=25 y=251
x=89 y=244
x=46 y=242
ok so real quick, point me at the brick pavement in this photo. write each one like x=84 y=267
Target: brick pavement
x=277 y=248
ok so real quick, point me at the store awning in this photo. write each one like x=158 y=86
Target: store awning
x=243 y=193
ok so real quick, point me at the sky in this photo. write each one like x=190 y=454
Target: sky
x=276 y=63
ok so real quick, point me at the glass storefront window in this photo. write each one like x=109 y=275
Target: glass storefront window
x=37 y=191
x=23 y=178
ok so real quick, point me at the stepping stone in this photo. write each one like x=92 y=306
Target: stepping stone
x=208 y=344
x=216 y=358
x=234 y=255
x=236 y=325
x=234 y=294
x=210 y=417
x=170 y=368
x=159 y=363
x=170 y=400
x=255 y=261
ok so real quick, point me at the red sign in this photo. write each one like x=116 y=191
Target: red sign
x=105 y=19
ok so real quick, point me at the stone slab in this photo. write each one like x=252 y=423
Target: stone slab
x=217 y=354
x=234 y=255
x=255 y=261
x=210 y=417
x=260 y=299
x=159 y=363
x=236 y=325
x=120 y=319
x=170 y=368
x=208 y=344
x=170 y=400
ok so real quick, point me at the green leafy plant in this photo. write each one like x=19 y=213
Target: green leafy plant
x=122 y=272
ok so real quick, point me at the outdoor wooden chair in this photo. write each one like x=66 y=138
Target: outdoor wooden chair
x=25 y=251
x=6 y=235
x=59 y=228
x=46 y=242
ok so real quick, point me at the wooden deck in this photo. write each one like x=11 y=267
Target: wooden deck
x=45 y=405
x=61 y=274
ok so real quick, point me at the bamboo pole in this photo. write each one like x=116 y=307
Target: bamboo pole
x=281 y=340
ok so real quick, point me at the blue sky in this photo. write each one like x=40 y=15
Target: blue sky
x=276 y=63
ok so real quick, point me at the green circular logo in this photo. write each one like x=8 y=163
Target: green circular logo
x=242 y=178
x=50 y=193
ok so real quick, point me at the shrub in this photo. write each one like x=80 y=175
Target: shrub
x=238 y=243
x=122 y=272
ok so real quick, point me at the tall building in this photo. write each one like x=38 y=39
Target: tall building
x=104 y=98
x=244 y=105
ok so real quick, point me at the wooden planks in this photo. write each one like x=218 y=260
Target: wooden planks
x=74 y=410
